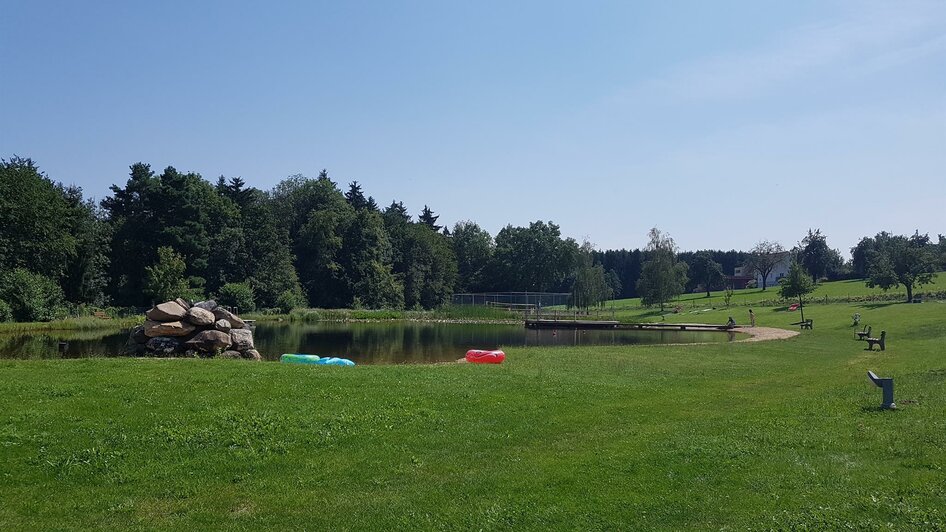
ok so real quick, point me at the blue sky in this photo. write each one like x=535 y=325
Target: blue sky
x=722 y=123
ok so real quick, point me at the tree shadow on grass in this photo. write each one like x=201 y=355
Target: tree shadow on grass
x=874 y=306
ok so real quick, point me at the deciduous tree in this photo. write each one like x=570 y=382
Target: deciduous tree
x=473 y=247
x=763 y=258
x=707 y=271
x=899 y=260
x=663 y=277
x=796 y=284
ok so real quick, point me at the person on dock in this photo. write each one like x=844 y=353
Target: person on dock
x=751 y=318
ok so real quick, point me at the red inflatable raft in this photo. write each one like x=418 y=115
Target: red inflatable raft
x=479 y=356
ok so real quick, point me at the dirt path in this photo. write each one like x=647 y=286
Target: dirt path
x=761 y=334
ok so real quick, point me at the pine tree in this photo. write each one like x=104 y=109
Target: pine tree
x=428 y=218
x=355 y=196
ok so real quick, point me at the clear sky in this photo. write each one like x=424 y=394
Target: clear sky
x=722 y=123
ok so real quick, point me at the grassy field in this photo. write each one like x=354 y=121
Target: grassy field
x=771 y=435
x=694 y=305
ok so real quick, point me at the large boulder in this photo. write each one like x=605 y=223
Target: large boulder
x=168 y=311
x=209 y=341
x=133 y=348
x=210 y=305
x=241 y=339
x=154 y=329
x=224 y=314
x=138 y=335
x=223 y=325
x=252 y=354
x=163 y=345
x=199 y=316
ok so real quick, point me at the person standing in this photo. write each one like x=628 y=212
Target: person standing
x=751 y=318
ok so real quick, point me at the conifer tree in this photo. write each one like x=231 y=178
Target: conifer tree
x=355 y=197
x=428 y=218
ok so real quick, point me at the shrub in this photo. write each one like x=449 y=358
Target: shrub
x=165 y=279
x=238 y=295
x=289 y=300
x=6 y=313
x=31 y=296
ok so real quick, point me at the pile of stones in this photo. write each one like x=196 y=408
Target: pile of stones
x=179 y=328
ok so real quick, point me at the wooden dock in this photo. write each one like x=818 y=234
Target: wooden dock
x=616 y=325
x=571 y=324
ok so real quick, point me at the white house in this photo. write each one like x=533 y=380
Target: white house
x=778 y=271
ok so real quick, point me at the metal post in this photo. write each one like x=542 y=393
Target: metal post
x=885 y=384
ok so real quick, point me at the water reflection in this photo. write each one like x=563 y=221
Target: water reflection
x=365 y=343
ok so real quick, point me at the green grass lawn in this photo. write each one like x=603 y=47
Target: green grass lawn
x=771 y=435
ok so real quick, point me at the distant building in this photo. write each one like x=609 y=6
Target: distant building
x=740 y=278
x=743 y=275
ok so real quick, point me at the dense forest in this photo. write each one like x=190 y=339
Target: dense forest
x=308 y=242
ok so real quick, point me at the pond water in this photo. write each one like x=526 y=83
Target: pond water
x=366 y=343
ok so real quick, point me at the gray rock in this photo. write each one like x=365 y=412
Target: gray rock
x=222 y=325
x=133 y=348
x=183 y=303
x=154 y=329
x=231 y=355
x=138 y=335
x=241 y=339
x=252 y=354
x=163 y=345
x=209 y=341
x=210 y=305
x=168 y=311
x=224 y=314
x=199 y=316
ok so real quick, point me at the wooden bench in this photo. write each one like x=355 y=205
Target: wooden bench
x=805 y=324
x=882 y=342
x=101 y=315
x=863 y=334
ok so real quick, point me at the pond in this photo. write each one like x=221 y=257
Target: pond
x=395 y=342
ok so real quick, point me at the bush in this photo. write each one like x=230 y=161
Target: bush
x=289 y=300
x=238 y=295
x=31 y=296
x=6 y=313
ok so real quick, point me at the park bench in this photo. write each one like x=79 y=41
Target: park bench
x=882 y=342
x=863 y=334
x=101 y=315
x=805 y=324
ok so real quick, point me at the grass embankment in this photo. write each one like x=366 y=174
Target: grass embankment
x=448 y=313
x=86 y=323
x=770 y=435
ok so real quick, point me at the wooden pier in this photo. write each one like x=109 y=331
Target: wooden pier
x=616 y=325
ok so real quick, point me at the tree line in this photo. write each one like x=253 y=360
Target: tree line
x=308 y=242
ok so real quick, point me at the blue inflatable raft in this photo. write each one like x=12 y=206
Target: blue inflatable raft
x=299 y=358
